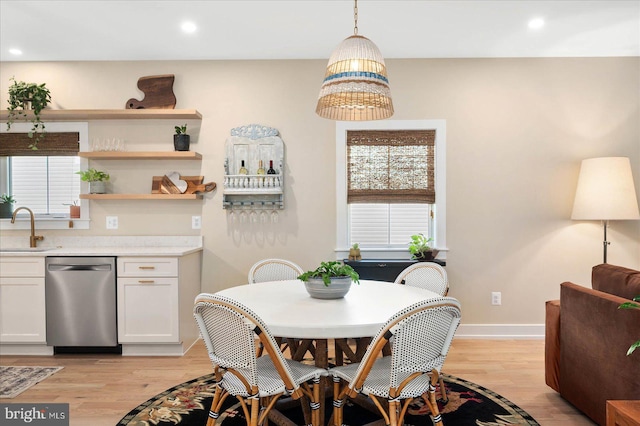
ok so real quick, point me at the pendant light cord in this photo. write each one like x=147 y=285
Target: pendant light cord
x=355 y=17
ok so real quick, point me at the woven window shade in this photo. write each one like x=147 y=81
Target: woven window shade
x=391 y=166
x=17 y=144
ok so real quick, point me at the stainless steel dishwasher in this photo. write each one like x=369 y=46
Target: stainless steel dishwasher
x=80 y=296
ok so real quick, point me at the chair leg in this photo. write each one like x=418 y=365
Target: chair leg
x=337 y=402
x=443 y=391
x=255 y=411
x=431 y=402
x=214 y=411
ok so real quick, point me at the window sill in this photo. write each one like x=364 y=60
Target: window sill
x=384 y=253
x=43 y=223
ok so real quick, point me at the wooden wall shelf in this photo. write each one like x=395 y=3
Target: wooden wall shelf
x=109 y=114
x=141 y=196
x=141 y=155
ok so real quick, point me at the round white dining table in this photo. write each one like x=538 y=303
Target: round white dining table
x=288 y=310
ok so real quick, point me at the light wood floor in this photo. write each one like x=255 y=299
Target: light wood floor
x=102 y=389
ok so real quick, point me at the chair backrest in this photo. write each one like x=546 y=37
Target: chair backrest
x=273 y=270
x=422 y=336
x=228 y=329
x=427 y=275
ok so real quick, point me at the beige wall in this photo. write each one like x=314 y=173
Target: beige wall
x=517 y=130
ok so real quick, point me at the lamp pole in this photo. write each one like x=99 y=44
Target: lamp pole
x=605 y=243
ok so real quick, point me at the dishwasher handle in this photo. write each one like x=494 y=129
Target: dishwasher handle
x=76 y=267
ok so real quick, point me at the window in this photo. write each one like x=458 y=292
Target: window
x=44 y=184
x=45 y=180
x=386 y=194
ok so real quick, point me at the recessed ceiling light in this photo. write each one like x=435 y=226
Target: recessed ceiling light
x=189 y=27
x=536 y=23
x=15 y=51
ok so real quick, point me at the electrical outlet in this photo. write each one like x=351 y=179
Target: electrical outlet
x=196 y=222
x=496 y=298
x=112 y=222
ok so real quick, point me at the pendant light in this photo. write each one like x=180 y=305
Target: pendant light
x=355 y=86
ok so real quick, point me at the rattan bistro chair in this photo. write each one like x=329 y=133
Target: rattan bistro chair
x=423 y=333
x=228 y=329
x=273 y=270
x=427 y=275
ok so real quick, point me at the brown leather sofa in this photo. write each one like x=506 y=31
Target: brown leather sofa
x=587 y=338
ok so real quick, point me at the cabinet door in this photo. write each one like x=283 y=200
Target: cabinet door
x=148 y=310
x=22 y=310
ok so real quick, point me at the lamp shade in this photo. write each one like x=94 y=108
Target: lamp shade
x=355 y=86
x=605 y=190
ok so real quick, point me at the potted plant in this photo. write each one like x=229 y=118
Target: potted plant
x=6 y=206
x=74 y=209
x=632 y=305
x=28 y=96
x=97 y=180
x=354 y=252
x=331 y=280
x=420 y=249
x=181 y=139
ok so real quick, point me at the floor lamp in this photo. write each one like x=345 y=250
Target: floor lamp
x=605 y=192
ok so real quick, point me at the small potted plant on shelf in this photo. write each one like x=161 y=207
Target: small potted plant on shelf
x=181 y=139
x=97 y=180
x=354 y=252
x=6 y=206
x=24 y=97
x=420 y=249
x=331 y=280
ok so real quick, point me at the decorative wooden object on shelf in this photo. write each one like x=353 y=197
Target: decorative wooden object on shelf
x=163 y=185
x=158 y=93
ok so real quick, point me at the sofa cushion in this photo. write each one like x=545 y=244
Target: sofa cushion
x=617 y=280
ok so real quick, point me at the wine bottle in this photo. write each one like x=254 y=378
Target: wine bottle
x=271 y=171
x=260 y=168
x=243 y=170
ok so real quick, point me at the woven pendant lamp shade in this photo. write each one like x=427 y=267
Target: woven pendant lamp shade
x=355 y=85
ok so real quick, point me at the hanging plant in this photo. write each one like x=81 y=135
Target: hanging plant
x=25 y=97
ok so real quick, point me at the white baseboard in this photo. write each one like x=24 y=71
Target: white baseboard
x=500 y=331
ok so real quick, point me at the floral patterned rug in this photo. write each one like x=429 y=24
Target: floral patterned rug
x=469 y=404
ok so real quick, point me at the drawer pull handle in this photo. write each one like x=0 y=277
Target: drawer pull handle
x=382 y=265
x=146 y=281
x=147 y=267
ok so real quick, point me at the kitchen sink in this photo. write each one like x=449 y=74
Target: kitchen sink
x=23 y=249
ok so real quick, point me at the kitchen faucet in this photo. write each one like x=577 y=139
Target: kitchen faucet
x=34 y=238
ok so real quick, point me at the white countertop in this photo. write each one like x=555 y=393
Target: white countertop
x=101 y=246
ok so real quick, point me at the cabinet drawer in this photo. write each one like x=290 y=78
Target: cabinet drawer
x=22 y=266
x=147 y=267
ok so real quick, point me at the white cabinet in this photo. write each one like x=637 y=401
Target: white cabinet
x=155 y=304
x=22 y=302
x=148 y=300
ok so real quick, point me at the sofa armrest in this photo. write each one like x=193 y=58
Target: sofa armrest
x=552 y=344
x=594 y=366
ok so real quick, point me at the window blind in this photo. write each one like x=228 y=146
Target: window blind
x=391 y=166
x=387 y=225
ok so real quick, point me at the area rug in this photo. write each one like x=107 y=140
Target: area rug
x=188 y=405
x=15 y=380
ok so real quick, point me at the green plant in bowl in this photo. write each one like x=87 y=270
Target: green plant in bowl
x=331 y=269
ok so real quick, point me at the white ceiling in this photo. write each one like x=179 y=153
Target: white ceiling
x=51 y=30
